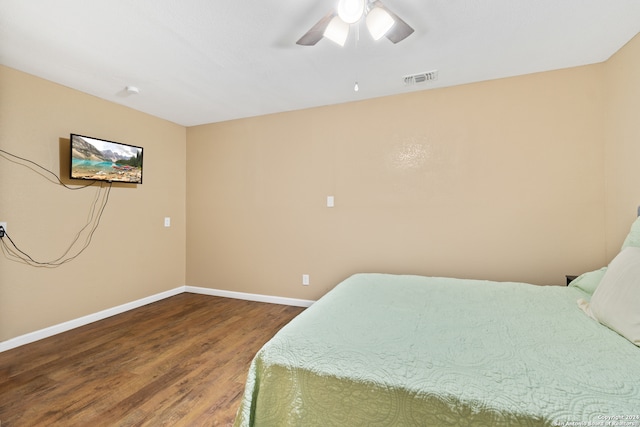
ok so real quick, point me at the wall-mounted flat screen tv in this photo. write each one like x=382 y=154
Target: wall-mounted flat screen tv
x=101 y=160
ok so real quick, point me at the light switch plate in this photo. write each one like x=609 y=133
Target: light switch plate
x=330 y=202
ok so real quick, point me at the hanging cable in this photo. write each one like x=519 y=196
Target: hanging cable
x=15 y=253
x=42 y=168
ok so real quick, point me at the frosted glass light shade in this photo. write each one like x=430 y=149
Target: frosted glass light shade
x=337 y=31
x=379 y=22
x=350 y=11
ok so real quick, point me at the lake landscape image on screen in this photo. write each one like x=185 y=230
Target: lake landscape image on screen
x=98 y=159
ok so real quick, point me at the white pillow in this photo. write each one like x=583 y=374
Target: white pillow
x=616 y=301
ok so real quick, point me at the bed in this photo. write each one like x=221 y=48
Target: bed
x=403 y=350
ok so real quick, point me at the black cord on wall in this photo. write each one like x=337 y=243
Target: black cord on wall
x=13 y=158
x=11 y=250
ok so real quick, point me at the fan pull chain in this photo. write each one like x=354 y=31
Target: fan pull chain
x=356 y=88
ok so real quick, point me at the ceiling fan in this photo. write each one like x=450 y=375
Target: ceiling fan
x=335 y=25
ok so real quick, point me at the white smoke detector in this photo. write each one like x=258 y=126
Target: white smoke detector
x=132 y=90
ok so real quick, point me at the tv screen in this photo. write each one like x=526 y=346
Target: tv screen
x=101 y=160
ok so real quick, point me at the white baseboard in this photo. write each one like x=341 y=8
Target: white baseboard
x=85 y=320
x=249 y=297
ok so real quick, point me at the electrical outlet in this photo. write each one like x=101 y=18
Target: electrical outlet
x=305 y=279
x=330 y=201
x=4 y=228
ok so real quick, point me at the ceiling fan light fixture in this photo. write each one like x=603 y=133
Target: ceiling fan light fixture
x=350 y=11
x=379 y=22
x=337 y=31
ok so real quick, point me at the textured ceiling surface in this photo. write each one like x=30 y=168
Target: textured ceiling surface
x=205 y=61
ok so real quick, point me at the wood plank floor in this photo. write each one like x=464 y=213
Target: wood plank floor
x=181 y=361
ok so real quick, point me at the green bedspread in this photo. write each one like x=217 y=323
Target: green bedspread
x=387 y=350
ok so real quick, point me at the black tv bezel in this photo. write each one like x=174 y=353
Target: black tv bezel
x=110 y=142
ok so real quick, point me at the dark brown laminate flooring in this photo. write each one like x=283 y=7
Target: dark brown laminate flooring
x=181 y=361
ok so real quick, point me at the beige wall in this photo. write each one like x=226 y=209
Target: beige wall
x=132 y=255
x=528 y=178
x=622 y=143
x=499 y=180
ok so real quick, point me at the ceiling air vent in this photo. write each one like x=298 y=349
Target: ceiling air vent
x=420 y=78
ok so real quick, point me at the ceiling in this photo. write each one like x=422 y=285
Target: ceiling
x=206 y=61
